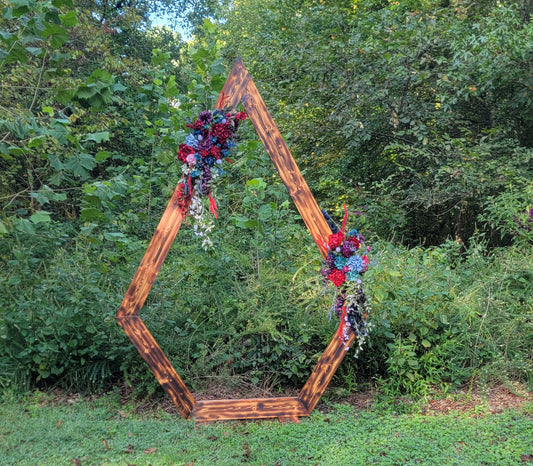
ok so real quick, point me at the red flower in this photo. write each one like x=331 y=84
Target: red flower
x=215 y=152
x=221 y=131
x=366 y=261
x=241 y=116
x=184 y=151
x=355 y=241
x=337 y=277
x=335 y=240
x=198 y=124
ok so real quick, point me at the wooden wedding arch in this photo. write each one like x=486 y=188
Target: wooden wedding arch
x=239 y=87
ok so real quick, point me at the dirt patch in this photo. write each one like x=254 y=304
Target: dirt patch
x=493 y=400
x=474 y=400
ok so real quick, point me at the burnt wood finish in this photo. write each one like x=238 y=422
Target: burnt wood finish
x=239 y=87
x=158 y=363
x=252 y=408
x=324 y=371
x=153 y=259
x=277 y=149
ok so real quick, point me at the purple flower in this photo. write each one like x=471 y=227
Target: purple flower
x=205 y=117
x=347 y=249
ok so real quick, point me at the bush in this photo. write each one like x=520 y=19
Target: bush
x=441 y=317
x=58 y=306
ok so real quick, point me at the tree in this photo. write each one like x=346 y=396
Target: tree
x=417 y=111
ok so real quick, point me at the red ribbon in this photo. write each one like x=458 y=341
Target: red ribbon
x=345 y=218
x=212 y=206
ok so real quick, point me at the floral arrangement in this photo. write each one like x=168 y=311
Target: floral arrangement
x=209 y=142
x=344 y=266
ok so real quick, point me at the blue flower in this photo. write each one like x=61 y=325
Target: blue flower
x=340 y=262
x=356 y=264
x=190 y=140
x=209 y=160
x=353 y=233
x=352 y=276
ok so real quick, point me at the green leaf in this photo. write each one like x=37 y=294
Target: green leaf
x=85 y=92
x=426 y=344
x=413 y=363
x=118 y=87
x=217 y=69
x=49 y=110
x=17 y=54
x=114 y=236
x=102 y=155
x=81 y=164
x=159 y=58
x=257 y=183
x=40 y=217
x=54 y=162
x=69 y=19
x=5 y=35
x=36 y=142
x=98 y=137
x=25 y=226
x=64 y=96
x=92 y=213
x=209 y=27
x=36 y=51
x=56 y=34
x=47 y=194
x=379 y=294
x=266 y=212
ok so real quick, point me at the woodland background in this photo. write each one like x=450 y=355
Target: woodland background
x=415 y=114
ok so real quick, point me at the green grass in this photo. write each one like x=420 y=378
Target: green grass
x=103 y=432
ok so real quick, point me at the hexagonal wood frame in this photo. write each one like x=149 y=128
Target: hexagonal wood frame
x=239 y=87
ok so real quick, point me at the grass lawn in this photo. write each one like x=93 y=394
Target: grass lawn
x=101 y=431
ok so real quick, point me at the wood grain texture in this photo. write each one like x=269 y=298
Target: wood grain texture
x=324 y=371
x=253 y=408
x=240 y=87
x=153 y=259
x=234 y=86
x=159 y=364
x=286 y=166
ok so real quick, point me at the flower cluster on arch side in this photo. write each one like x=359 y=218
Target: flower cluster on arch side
x=344 y=265
x=211 y=137
x=207 y=145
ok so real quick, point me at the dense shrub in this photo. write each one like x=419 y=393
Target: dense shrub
x=442 y=317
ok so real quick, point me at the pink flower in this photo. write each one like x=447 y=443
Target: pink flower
x=184 y=152
x=191 y=160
